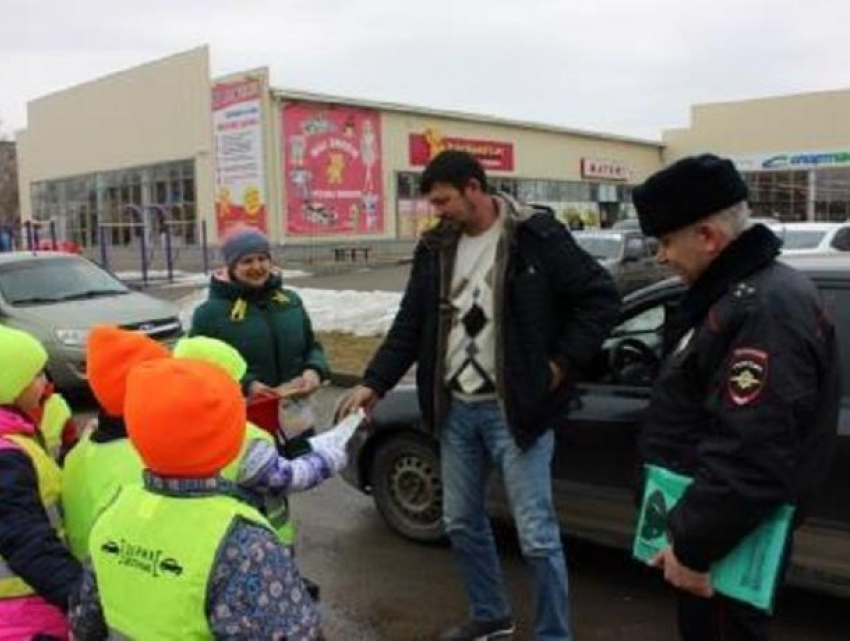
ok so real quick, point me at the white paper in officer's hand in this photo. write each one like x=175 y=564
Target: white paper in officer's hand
x=339 y=435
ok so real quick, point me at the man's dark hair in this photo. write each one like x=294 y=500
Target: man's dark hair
x=453 y=167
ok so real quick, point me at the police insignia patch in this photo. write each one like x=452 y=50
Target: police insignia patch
x=747 y=375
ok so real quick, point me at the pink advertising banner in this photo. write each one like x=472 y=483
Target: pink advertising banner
x=332 y=170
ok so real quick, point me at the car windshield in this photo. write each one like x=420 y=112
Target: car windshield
x=601 y=246
x=51 y=280
x=802 y=238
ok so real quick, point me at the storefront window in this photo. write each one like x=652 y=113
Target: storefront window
x=121 y=204
x=832 y=194
x=780 y=194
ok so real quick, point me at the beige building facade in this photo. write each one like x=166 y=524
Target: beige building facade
x=793 y=150
x=98 y=158
x=164 y=149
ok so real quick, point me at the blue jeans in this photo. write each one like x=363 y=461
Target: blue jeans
x=473 y=441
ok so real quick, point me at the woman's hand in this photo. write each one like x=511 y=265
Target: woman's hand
x=310 y=381
x=256 y=388
x=303 y=385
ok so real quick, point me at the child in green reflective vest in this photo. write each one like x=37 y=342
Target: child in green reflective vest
x=183 y=556
x=104 y=460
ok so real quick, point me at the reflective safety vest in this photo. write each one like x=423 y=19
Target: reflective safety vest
x=93 y=473
x=54 y=416
x=49 y=488
x=154 y=555
x=275 y=509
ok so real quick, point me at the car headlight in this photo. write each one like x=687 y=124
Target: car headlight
x=73 y=337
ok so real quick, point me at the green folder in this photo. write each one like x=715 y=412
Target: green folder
x=749 y=573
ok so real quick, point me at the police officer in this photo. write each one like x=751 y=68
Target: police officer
x=746 y=401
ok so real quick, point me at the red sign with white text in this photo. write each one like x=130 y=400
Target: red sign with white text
x=492 y=155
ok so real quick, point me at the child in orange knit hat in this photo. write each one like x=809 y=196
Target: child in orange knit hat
x=104 y=459
x=219 y=570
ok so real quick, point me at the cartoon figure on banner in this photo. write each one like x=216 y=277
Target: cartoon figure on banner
x=336 y=165
x=223 y=202
x=435 y=142
x=317 y=125
x=348 y=129
x=354 y=216
x=301 y=180
x=318 y=213
x=252 y=200
x=297 y=144
x=368 y=153
x=370 y=206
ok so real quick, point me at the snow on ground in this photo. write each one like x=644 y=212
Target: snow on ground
x=360 y=313
x=182 y=278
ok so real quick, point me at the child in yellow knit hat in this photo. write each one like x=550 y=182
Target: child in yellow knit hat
x=37 y=573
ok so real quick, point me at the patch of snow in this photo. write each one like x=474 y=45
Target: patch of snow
x=182 y=278
x=359 y=313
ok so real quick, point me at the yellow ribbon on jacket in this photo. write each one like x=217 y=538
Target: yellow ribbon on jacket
x=239 y=309
x=240 y=306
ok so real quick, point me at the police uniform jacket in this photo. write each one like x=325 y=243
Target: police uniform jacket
x=747 y=399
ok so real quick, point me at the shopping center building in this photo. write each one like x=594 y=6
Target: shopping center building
x=161 y=146
x=163 y=149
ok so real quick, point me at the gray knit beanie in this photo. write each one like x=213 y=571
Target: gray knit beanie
x=240 y=241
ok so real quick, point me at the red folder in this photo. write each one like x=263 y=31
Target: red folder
x=262 y=411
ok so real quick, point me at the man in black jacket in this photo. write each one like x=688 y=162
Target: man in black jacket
x=501 y=312
x=746 y=402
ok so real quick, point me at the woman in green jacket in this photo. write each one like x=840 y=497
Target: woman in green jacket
x=249 y=308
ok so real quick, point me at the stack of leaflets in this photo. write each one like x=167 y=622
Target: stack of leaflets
x=749 y=573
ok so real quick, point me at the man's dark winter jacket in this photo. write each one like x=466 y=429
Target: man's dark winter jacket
x=747 y=400
x=553 y=302
x=268 y=326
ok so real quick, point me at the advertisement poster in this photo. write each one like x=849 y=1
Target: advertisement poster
x=332 y=170
x=240 y=196
x=492 y=155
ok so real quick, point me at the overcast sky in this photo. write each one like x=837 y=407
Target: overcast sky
x=631 y=67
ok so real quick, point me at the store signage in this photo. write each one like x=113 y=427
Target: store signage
x=793 y=160
x=492 y=155
x=604 y=169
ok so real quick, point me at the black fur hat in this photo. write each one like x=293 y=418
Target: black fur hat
x=689 y=189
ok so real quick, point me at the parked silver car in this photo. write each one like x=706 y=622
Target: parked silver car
x=627 y=254
x=58 y=297
x=811 y=237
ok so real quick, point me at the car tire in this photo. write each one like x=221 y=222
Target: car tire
x=407 y=487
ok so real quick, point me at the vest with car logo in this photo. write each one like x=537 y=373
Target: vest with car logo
x=153 y=556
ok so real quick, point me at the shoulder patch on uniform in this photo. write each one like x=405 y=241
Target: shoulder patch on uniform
x=747 y=375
